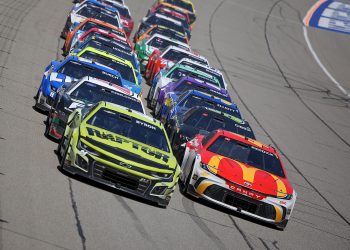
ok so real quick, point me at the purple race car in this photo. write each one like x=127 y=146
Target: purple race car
x=188 y=83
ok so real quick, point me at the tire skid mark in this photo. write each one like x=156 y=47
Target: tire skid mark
x=19 y=18
x=138 y=223
x=189 y=208
x=307 y=106
x=242 y=233
x=255 y=118
x=76 y=215
x=275 y=245
x=309 y=225
x=264 y=243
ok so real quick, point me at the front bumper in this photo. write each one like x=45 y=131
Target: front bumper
x=101 y=171
x=43 y=103
x=220 y=194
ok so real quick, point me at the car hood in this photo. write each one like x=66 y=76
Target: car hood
x=113 y=145
x=246 y=176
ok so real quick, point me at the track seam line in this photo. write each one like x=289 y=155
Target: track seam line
x=76 y=215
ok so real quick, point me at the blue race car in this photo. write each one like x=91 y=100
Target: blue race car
x=60 y=74
x=176 y=104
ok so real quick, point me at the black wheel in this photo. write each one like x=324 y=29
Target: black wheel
x=48 y=124
x=64 y=155
x=186 y=184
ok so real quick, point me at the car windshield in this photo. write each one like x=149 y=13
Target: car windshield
x=130 y=127
x=176 y=55
x=181 y=4
x=106 y=37
x=126 y=71
x=89 y=25
x=194 y=100
x=152 y=20
x=160 y=43
x=187 y=85
x=96 y=13
x=250 y=155
x=121 y=9
x=179 y=72
x=113 y=49
x=206 y=70
x=173 y=12
x=91 y=93
x=202 y=119
x=169 y=33
x=78 y=70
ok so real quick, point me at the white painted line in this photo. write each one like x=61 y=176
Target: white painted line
x=339 y=86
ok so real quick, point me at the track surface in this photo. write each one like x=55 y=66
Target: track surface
x=281 y=90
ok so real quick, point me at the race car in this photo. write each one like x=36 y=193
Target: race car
x=125 y=17
x=174 y=89
x=162 y=30
x=183 y=5
x=184 y=67
x=60 y=74
x=162 y=20
x=176 y=105
x=240 y=174
x=169 y=7
x=87 y=91
x=120 y=148
x=76 y=31
x=176 y=15
x=112 y=47
x=183 y=127
x=108 y=34
x=146 y=47
x=106 y=1
x=89 y=10
x=166 y=58
x=125 y=67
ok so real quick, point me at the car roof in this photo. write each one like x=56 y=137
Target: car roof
x=248 y=141
x=169 y=39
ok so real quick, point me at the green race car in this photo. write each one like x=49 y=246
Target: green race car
x=121 y=148
x=146 y=47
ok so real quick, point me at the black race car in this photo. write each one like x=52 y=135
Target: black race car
x=201 y=120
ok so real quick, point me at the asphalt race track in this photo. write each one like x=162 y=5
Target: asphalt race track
x=281 y=90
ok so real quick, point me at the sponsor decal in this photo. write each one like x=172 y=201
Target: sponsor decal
x=246 y=192
x=135 y=145
x=329 y=15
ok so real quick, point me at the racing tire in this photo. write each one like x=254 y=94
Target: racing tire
x=281 y=226
x=64 y=156
x=157 y=111
x=185 y=186
x=48 y=124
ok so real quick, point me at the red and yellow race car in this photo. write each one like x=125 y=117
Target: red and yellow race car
x=238 y=173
